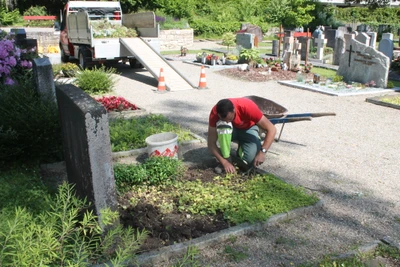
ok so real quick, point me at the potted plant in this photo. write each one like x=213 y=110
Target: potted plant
x=231 y=59
x=69 y=69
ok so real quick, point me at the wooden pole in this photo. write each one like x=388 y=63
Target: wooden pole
x=280 y=41
x=307 y=48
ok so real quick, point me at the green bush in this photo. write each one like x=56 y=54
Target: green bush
x=9 y=17
x=66 y=234
x=154 y=171
x=390 y=84
x=96 y=81
x=36 y=11
x=208 y=28
x=337 y=78
x=29 y=125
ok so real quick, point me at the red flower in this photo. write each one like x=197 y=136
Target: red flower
x=113 y=103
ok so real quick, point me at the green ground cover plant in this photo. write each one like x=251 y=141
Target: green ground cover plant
x=240 y=199
x=128 y=134
x=391 y=100
x=361 y=260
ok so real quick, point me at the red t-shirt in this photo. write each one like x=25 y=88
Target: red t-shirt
x=247 y=114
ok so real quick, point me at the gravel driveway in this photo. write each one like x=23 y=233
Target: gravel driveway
x=350 y=161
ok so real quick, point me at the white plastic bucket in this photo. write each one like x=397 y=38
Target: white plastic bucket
x=163 y=145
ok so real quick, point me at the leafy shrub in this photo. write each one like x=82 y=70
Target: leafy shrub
x=66 y=234
x=390 y=84
x=131 y=134
x=249 y=55
x=97 y=80
x=30 y=127
x=154 y=171
x=36 y=11
x=229 y=39
x=69 y=69
x=337 y=78
x=9 y=17
x=208 y=28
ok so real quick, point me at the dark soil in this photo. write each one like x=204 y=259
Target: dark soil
x=262 y=75
x=174 y=227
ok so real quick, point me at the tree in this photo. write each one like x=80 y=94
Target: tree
x=290 y=13
x=372 y=4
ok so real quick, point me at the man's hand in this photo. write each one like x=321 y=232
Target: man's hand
x=259 y=159
x=229 y=168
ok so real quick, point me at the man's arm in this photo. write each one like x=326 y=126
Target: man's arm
x=270 y=129
x=212 y=147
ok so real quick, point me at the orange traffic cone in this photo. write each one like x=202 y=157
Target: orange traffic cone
x=161 y=82
x=202 y=82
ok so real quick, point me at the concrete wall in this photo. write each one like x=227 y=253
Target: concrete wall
x=174 y=39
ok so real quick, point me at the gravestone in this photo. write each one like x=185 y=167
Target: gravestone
x=373 y=36
x=245 y=40
x=43 y=75
x=252 y=29
x=363 y=38
x=363 y=64
x=330 y=36
x=275 y=47
x=347 y=40
x=320 y=42
x=386 y=45
x=339 y=50
x=87 y=148
x=303 y=51
x=288 y=43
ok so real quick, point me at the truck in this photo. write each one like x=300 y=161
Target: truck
x=80 y=40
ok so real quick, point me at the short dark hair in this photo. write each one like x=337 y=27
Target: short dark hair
x=224 y=106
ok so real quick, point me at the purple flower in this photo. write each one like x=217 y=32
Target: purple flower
x=9 y=81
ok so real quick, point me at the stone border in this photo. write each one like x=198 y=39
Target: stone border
x=377 y=100
x=126 y=114
x=164 y=253
x=294 y=84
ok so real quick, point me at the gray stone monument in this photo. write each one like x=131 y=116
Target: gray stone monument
x=303 y=41
x=339 y=50
x=245 y=40
x=363 y=38
x=43 y=75
x=386 y=45
x=330 y=36
x=87 y=149
x=363 y=64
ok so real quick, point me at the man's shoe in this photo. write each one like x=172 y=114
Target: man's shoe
x=243 y=166
x=219 y=169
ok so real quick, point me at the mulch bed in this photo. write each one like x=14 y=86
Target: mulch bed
x=174 y=227
x=262 y=75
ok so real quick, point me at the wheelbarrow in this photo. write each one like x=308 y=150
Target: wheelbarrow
x=277 y=114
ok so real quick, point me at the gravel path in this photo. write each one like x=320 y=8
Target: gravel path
x=350 y=161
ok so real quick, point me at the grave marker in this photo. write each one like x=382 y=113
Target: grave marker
x=386 y=45
x=320 y=42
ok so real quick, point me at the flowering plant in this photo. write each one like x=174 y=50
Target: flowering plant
x=211 y=56
x=114 y=103
x=370 y=84
x=12 y=58
x=308 y=67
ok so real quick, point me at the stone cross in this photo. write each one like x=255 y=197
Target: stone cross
x=320 y=42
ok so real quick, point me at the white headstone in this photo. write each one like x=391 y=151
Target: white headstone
x=363 y=38
x=386 y=45
x=320 y=42
x=373 y=36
